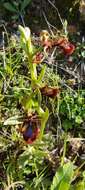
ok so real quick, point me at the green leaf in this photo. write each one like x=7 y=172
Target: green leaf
x=1 y=97
x=63 y=177
x=44 y=119
x=33 y=72
x=83 y=54
x=15 y=17
x=67 y=124
x=78 y=119
x=28 y=103
x=41 y=74
x=80 y=186
x=38 y=95
x=10 y=7
x=12 y=121
x=24 y=4
x=9 y=70
x=64 y=185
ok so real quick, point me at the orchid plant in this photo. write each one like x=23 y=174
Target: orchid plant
x=31 y=103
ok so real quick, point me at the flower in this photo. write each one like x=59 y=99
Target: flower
x=63 y=43
x=68 y=47
x=45 y=39
x=30 y=128
x=51 y=92
x=38 y=58
x=31 y=135
x=44 y=35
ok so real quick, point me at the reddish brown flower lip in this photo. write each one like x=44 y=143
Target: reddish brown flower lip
x=50 y=91
x=31 y=128
x=62 y=42
x=34 y=136
x=67 y=47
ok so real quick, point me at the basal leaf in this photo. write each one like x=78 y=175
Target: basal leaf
x=10 y=7
x=12 y=121
x=24 y=4
x=63 y=177
x=80 y=186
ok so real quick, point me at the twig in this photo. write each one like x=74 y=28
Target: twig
x=49 y=25
x=57 y=11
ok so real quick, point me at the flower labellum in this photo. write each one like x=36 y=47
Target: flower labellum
x=68 y=47
x=51 y=92
x=30 y=128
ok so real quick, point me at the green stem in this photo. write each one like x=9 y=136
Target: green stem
x=64 y=151
x=44 y=116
